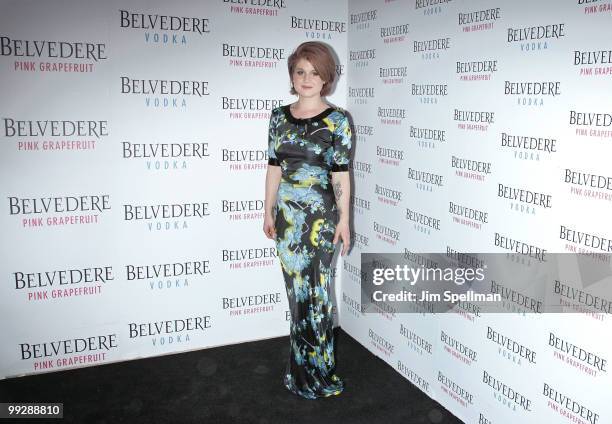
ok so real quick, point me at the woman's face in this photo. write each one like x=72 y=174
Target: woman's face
x=306 y=81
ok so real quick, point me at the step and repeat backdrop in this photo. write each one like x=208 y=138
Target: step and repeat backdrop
x=486 y=126
x=134 y=153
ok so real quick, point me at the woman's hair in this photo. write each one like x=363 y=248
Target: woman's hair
x=319 y=56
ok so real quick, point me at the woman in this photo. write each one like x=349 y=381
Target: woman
x=307 y=214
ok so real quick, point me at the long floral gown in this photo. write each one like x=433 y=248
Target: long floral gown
x=308 y=150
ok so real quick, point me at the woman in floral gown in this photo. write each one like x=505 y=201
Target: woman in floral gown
x=307 y=213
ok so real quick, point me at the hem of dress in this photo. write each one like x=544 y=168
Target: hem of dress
x=312 y=395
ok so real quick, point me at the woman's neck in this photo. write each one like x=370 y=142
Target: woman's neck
x=310 y=104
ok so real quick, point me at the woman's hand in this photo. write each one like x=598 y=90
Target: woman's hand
x=268 y=227
x=342 y=232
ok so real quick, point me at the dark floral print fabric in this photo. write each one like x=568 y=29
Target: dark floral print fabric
x=307 y=151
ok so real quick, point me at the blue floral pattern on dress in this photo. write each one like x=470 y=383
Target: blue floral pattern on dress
x=307 y=151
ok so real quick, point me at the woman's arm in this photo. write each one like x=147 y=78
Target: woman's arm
x=341 y=184
x=273 y=177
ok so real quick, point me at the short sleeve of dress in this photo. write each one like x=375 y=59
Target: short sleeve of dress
x=342 y=145
x=272 y=136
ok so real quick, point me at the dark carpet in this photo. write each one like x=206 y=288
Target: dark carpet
x=239 y=383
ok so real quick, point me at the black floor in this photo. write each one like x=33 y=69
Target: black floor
x=231 y=384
